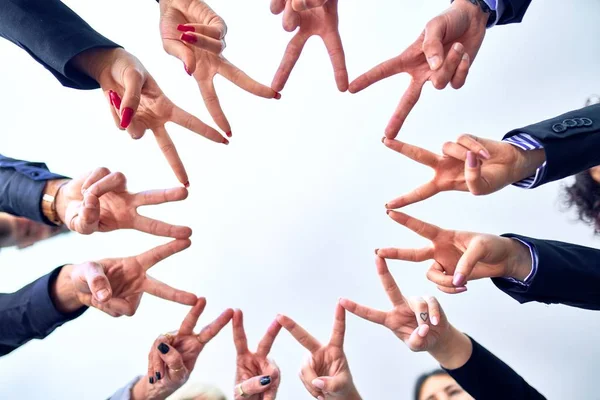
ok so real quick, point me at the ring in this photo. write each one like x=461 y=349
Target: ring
x=169 y=337
x=177 y=370
x=241 y=391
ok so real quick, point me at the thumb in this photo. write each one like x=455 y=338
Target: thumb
x=476 y=184
x=475 y=252
x=97 y=282
x=432 y=42
x=329 y=384
x=133 y=81
x=185 y=54
x=256 y=385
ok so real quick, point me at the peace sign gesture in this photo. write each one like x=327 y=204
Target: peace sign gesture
x=326 y=374
x=256 y=376
x=314 y=17
x=462 y=256
x=116 y=285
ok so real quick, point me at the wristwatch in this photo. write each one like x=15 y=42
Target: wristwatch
x=49 y=200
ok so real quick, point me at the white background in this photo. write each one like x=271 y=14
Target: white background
x=286 y=218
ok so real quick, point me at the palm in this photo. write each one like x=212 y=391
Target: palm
x=320 y=21
x=331 y=361
x=189 y=347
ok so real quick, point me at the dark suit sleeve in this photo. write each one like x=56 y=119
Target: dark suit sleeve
x=22 y=186
x=571 y=142
x=514 y=11
x=53 y=35
x=566 y=274
x=30 y=314
x=486 y=377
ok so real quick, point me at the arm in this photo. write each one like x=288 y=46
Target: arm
x=37 y=309
x=53 y=35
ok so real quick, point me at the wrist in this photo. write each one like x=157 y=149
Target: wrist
x=479 y=13
x=63 y=293
x=94 y=61
x=51 y=209
x=354 y=395
x=520 y=262
x=139 y=391
x=453 y=350
x=527 y=163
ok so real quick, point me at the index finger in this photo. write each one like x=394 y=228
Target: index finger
x=211 y=330
x=242 y=80
x=193 y=124
x=170 y=152
x=389 y=284
x=333 y=43
x=289 y=60
x=421 y=228
x=300 y=334
x=239 y=334
x=407 y=103
x=382 y=71
x=339 y=327
x=191 y=319
x=160 y=289
x=264 y=347
x=150 y=258
x=159 y=196
x=421 y=193
x=415 y=153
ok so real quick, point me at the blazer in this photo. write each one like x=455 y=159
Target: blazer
x=29 y=313
x=22 y=186
x=514 y=11
x=566 y=274
x=486 y=377
x=571 y=142
x=53 y=35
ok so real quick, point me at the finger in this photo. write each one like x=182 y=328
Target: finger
x=415 y=153
x=443 y=76
x=191 y=319
x=114 y=104
x=476 y=184
x=301 y=5
x=179 y=50
x=419 y=306
x=473 y=144
x=452 y=290
x=307 y=376
x=113 y=182
x=266 y=343
x=460 y=76
x=300 y=334
x=407 y=103
x=455 y=150
x=170 y=152
x=171 y=357
x=150 y=258
x=239 y=334
x=435 y=310
x=203 y=42
x=211 y=330
x=161 y=196
x=239 y=78
x=87 y=219
x=439 y=276
x=160 y=289
x=333 y=43
x=421 y=193
x=339 y=327
x=389 y=284
x=277 y=6
x=382 y=71
x=432 y=42
x=291 y=19
x=370 y=314
x=417 y=339
x=290 y=57
x=256 y=385
x=160 y=228
x=97 y=282
x=94 y=177
x=193 y=124
x=133 y=81
x=213 y=31
x=155 y=363
x=330 y=384
x=211 y=100
x=421 y=228
x=412 y=255
x=118 y=306
x=476 y=251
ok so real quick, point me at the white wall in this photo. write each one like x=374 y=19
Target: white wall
x=286 y=218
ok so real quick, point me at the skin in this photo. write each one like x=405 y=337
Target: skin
x=442 y=387
x=21 y=232
x=595 y=173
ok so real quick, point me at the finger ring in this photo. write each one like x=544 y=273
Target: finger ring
x=169 y=337
x=177 y=370
x=241 y=391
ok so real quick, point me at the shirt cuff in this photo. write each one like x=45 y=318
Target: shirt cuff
x=527 y=143
x=124 y=393
x=534 y=266
x=498 y=6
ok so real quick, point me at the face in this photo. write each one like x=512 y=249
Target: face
x=21 y=232
x=442 y=387
x=595 y=173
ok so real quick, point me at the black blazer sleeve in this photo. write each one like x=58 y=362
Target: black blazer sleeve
x=30 y=314
x=22 y=185
x=486 y=377
x=514 y=11
x=571 y=142
x=566 y=274
x=53 y=35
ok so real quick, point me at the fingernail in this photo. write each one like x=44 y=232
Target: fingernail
x=434 y=320
x=114 y=99
x=102 y=294
x=183 y=28
x=186 y=37
x=319 y=384
x=458 y=47
x=277 y=95
x=422 y=330
x=471 y=160
x=187 y=71
x=386 y=205
x=225 y=141
x=434 y=62
x=228 y=134
x=461 y=289
x=151 y=380
x=465 y=57
x=163 y=348
x=388 y=211
x=459 y=279
x=187 y=184
x=126 y=117
x=265 y=380
x=158 y=376
x=383 y=140
x=376 y=251
x=484 y=154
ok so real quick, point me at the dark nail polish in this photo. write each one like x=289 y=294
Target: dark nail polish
x=228 y=134
x=265 y=380
x=163 y=348
x=376 y=251
x=158 y=376
x=186 y=37
x=183 y=28
x=383 y=140
x=388 y=212
x=386 y=205
x=126 y=117
x=277 y=95
x=151 y=380
x=115 y=99
x=225 y=141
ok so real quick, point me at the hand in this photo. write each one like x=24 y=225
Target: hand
x=462 y=256
x=116 y=285
x=99 y=202
x=256 y=377
x=22 y=232
x=472 y=164
x=314 y=17
x=458 y=33
x=195 y=34
x=138 y=104
x=326 y=374
x=173 y=355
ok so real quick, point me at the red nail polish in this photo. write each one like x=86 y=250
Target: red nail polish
x=183 y=28
x=225 y=141
x=126 y=117
x=228 y=134
x=187 y=184
x=186 y=37
x=114 y=99
x=277 y=95
x=187 y=71
x=388 y=212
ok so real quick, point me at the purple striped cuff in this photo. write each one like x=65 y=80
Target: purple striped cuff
x=525 y=142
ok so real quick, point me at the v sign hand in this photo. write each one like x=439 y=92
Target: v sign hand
x=314 y=18
x=462 y=256
x=326 y=374
x=256 y=376
x=116 y=285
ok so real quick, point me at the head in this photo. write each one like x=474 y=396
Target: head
x=584 y=194
x=21 y=232
x=197 y=391
x=438 y=385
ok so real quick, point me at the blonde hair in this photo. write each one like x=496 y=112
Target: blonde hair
x=193 y=391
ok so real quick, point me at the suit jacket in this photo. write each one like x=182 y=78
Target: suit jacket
x=571 y=142
x=30 y=313
x=53 y=35
x=514 y=10
x=22 y=186
x=486 y=377
x=566 y=274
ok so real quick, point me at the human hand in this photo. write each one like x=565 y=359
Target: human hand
x=326 y=373
x=22 y=232
x=471 y=164
x=313 y=17
x=195 y=34
x=442 y=54
x=116 y=285
x=461 y=256
x=99 y=202
x=256 y=376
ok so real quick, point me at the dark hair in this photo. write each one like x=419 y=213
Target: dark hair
x=584 y=194
x=421 y=380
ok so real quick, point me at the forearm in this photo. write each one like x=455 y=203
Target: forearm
x=63 y=293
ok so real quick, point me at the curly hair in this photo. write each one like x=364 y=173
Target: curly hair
x=421 y=380
x=584 y=194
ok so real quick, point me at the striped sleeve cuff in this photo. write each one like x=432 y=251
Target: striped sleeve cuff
x=526 y=142
x=534 y=266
